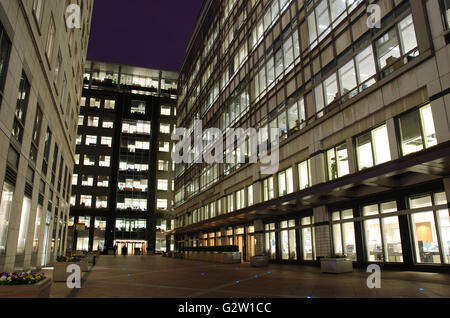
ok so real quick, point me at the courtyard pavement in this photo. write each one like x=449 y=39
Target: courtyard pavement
x=161 y=277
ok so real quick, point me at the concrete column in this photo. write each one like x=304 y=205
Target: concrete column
x=259 y=237
x=223 y=232
x=317 y=166
x=257 y=192
x=322 y=231
x=441 y=119
x=351 y=156
x=392 y=136
x=447 y=188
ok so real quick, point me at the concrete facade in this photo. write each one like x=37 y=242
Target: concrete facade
x=45 y=60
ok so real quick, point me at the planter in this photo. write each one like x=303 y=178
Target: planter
x=231 y=257
x=259 y=261
x=39 y=290
x=91 y=259
x=336 y=265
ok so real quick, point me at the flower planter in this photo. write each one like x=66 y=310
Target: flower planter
x=39 y=290
x=336 y=265
x=259 y=261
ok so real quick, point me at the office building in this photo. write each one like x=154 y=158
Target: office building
x=42 y=55
x=362 y=112
x=123 y=180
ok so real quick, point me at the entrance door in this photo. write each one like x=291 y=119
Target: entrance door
x=250 y=244
x=132 y=247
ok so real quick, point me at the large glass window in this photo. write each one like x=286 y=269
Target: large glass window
x=431 y=229
x=446 y=9
x=307 y=238
x=5 y=210
x=285 y=182
x=365 y=68
x=382 y=233
x=417 y=130
x=304 y=174
x=270 y=240
x=138 y=107
x=344 y=233
x=288 y=244
x=268 y=191
x=24 y=221
x=21 y=108
x=337 y=162
x=372 y=148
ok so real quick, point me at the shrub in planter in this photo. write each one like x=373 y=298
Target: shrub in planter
x=24 y=285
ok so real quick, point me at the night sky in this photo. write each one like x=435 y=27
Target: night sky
x=148 y=33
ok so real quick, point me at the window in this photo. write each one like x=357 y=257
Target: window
x=108 y=124
x=430 y=229
x=80 y=120
x=372 y=148
x=75 y=179
x=91 y=140
x=87 y=181
x=110 y=104
x=50 y=40
x=103 y=181
x=163 y=165
x=21 y=108
x=288 y=244
x=79 y=139
x=101 y=202
x=24 y=221
x=230 y=203
x=417 y=130
x=365 y=68
x=382 y=234
x=104 y=161
x=398 y=42
x=92 y=121
x=138 y=107
x=36 y=135
x=5 y=47
x=307 y=238
x=164 y=146
x=58 y=68
x=164 y=128
x=343 y=233
x=161 y=204
x=240 y=199
x=45 y=161
x=165 y=110
x=86 y=201
x=446 y=11
x=250 y=195
x=285 y=182
x=106 y=141
x=270 y=240
x=304 y=174
x=89 y=160
x=163 y=185
x=268 y=193
x=5 y=210
x=38 y=6
x=337 y=162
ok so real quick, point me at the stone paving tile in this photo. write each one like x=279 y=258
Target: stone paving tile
x=158 y=277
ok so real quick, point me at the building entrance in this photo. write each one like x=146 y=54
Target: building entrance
x=132 y=247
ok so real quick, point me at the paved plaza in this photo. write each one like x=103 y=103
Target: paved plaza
x=160 y=277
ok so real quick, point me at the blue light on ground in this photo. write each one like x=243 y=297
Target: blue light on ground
x=256 y=276
x=421 y=289
x=129 y=275
x=203 y=274
x=237 y=282
x=308 y=296
x=269 y=273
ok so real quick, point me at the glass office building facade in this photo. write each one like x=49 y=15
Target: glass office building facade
x=362 y=123
x=123 y=180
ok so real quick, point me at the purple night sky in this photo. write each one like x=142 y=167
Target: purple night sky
x=148 y=33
